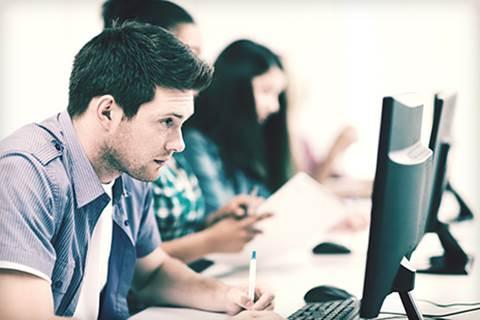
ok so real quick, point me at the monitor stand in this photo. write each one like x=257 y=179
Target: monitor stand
x=404 y=283
x=465 y=212
x=454 y=260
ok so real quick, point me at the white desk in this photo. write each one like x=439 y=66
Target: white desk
x=294 y=273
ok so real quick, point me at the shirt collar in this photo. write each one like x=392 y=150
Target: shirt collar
x=119 y=189
x=86 y=184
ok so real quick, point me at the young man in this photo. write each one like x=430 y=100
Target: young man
x=64 y=181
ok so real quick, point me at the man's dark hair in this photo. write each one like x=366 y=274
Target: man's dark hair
x=129 y=61
x=162 y=13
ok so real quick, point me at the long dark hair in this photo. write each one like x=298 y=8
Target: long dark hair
x=226 y=113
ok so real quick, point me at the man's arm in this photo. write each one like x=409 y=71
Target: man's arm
x=162 y=280
x=25 y=296
x=27 y=224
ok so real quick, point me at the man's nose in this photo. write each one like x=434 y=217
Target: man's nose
x=176 y=143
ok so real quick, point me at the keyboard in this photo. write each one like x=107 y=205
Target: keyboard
x=338 y=309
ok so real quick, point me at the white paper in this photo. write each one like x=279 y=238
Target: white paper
x=154 y=313
x=303 y=212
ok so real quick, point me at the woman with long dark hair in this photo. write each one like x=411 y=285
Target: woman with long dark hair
x=237 y=141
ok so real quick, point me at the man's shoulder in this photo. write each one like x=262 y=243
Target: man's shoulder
x=32 y=140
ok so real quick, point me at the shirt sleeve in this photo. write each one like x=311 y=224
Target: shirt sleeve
x=204 y=159
x=27 y=217
x=148 y=236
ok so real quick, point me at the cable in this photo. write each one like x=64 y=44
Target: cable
x=455 y=304
x=453 y=313
x=398 y=315
x=435 y=316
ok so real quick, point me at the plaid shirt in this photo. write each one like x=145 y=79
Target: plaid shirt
x=177 y=200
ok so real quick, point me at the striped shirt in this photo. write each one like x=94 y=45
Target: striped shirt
x=50 y=201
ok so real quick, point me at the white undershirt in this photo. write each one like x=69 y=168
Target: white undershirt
x=96 y=265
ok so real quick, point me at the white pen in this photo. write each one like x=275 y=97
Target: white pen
x=252 y=276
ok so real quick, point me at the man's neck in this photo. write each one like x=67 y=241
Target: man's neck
x=92 y=142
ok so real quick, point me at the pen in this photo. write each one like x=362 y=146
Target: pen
x=252 y=276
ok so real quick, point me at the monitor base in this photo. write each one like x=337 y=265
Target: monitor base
x=465 y=213
x=442 y=265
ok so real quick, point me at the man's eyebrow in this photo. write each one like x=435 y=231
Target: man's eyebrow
x=176 y=115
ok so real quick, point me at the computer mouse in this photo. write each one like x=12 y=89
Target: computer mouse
x=325 y=293
x=200 y=264
x=330 y=248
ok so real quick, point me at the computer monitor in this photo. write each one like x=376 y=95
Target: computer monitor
x=398 y=205
x=454 y=260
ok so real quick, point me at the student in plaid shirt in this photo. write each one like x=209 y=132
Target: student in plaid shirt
x=187 y=230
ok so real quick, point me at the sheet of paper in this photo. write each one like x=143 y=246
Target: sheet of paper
x=303 y=212
x=155 y=313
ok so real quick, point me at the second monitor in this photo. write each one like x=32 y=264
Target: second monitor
x=399 y=203
x=454 y=260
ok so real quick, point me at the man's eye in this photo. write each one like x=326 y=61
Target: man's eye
x=168 y=122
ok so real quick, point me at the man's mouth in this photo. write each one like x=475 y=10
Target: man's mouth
x=160 y=162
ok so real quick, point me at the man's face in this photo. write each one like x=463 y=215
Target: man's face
x=140 y=146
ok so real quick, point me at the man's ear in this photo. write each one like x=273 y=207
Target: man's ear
x=108 y=113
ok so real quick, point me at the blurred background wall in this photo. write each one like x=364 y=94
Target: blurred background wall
x=342 y=58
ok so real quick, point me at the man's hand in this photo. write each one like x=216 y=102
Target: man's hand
x=173 y=283
x=237 y=300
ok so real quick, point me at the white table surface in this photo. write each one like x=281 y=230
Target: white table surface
x=293 y=273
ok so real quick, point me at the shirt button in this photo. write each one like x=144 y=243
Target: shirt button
x=58 y=146
x=58 y=284
x=125 y=223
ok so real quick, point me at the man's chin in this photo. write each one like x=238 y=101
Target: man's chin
x=146 y=176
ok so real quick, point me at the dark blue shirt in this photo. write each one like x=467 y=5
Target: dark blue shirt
x=50 y=201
